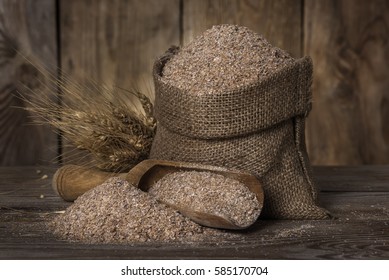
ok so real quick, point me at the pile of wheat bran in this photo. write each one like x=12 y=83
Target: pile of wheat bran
x=223 y=58
x=117 y=212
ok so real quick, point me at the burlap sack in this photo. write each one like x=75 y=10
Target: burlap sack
x=259 y=128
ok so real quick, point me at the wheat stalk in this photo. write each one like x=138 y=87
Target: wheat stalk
x=98 y=119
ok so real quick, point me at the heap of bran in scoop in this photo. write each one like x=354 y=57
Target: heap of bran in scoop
x=211 y=193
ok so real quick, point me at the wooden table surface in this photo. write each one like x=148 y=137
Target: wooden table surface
x=357 y=196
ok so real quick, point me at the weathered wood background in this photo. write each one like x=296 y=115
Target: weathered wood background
x=116 y=42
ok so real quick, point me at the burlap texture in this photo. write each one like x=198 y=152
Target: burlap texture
x=258 y=128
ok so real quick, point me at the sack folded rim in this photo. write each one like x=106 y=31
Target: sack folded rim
x=237 y=112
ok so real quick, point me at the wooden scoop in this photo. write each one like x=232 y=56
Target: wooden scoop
x=71 y=181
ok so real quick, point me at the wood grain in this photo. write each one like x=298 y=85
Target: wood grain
x=116 y=42
x=374 y=178
x=360 y=230
x=348 y=43
x=27 y=28
x=279 y=21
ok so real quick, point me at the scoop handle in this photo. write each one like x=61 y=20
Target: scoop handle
x=70 y=181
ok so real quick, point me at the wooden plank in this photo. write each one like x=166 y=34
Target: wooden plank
x=27 y=28
x=30 y=192
x=116 y=42
x=351 y=178
x=278 y=21
x=348 y=44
